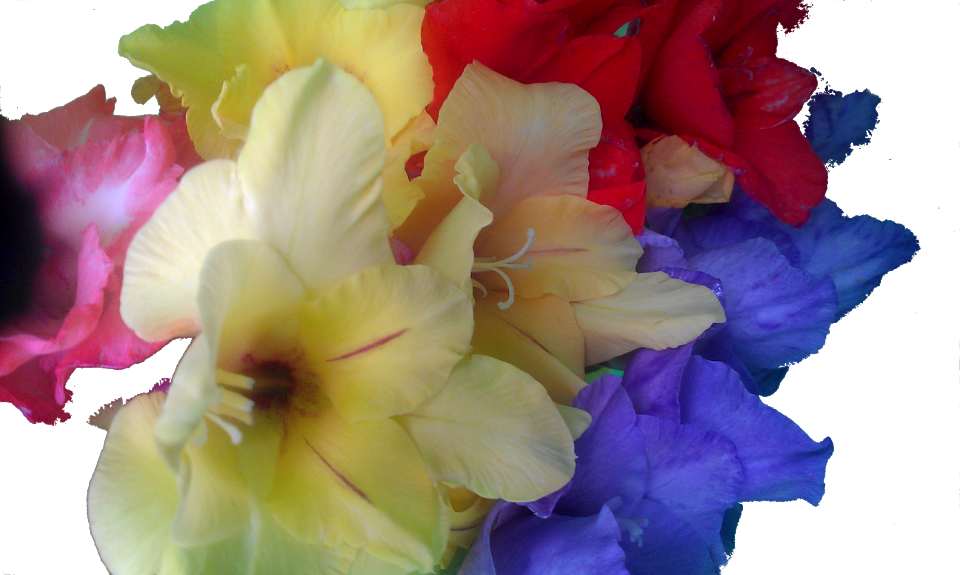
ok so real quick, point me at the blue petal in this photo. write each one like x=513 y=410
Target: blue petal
x=837 y=123
x=610 y=453
x=659 y=252
x=780 y=461
x=776 y=314
x=559 y=545
x=855 y=252
x=710 y=232
x=668 y=546
x=695 y=473
x=652 y=380
x=728 y=531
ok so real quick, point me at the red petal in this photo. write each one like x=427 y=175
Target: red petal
x=605 y=66
x=586 y=16
x=616 y=159
x=682 y=93
x=630 y=200
x=657 y=24
x=507 y=40
x=765 y=92
x=757 y=40
x=782 y=172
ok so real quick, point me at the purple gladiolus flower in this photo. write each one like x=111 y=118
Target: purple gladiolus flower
x=672 y=446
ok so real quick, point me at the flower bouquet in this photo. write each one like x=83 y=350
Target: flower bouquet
x=471 y=286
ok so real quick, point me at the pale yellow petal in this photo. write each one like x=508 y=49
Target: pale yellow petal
x=478 y=175
x=539 y=134
x=678 y=174
x=380 y=47
x=262 y=548
x=494 y=430
x=162 y=269
x=133 y=496
x=577 y=420
x=365 y=4
x=195 y=58
x=539 y=336
x=400 y=195
x=582 y=250
x=449 y=250
x=359 y=484
x=312 y=166
x=215 y=503
x=655 y=311
x=235 y=103
x=386 y=339
x=440 y=194
x=469 y=512
x=237 y=320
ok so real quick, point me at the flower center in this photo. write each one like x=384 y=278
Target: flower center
x=482 y=265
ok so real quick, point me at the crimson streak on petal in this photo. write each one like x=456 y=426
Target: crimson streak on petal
x=373 y=345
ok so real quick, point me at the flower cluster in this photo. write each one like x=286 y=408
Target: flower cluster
x=473 y=286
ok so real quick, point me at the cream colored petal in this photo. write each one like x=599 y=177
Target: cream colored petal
x=539 y=134
x=161 y=275
x=133 y=496
x=312 y=167
x=400 y=195
x=493 y=430
x=359 y=484
x=248 y=299
x=540 y=336
x=386 y=339
x=449 y=250
x=440 y=194
x=655 y=312
x=582 y=250
x=678 y=174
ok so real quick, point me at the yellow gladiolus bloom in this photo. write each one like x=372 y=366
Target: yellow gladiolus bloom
x=220 y=61
x=327 y=405
x=505 y=213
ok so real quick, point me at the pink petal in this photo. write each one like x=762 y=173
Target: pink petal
x=31 y=389
x=66 y=127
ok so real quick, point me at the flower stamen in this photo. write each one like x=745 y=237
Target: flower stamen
x=480 y=265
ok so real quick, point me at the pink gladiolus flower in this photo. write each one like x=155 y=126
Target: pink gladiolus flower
x=98 y=178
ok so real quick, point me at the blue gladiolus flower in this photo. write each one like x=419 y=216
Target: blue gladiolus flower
x=672 y=446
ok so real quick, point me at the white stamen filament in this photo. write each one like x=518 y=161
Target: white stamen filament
x=480 y=266
x=234 y=405
x=234 y=380
x=231 y=429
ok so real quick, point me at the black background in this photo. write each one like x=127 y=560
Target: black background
x=879 y=387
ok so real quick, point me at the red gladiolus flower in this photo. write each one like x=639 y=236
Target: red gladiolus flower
x=711 y=75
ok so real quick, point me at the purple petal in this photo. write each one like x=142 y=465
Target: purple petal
x=544 y=506
x=479 y=560
x=776 y=314
x=693 y=472
x=652 y=380
x=659 y=252
x=669 y=546
x=610 y=453
x=569 y=545
x=780 y=461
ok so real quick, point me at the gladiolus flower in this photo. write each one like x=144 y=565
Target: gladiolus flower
x=328 y=400
x=98 y=178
